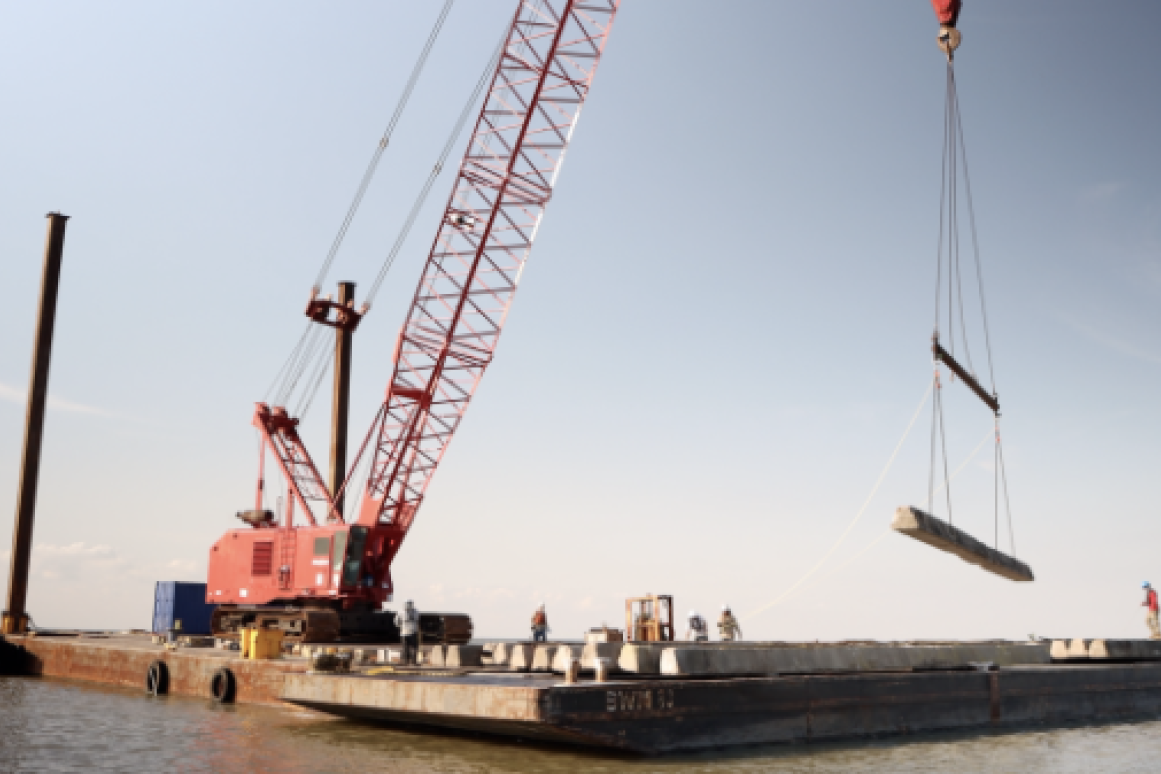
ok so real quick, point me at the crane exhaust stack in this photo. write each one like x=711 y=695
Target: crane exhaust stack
x=939 y=534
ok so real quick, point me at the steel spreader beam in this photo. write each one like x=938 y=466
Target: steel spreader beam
x=941 y=354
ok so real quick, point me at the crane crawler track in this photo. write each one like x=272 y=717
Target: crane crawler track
x=322 y=625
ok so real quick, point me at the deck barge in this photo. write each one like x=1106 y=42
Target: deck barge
x=639 y=713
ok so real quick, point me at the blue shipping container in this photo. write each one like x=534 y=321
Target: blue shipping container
x=175 y=600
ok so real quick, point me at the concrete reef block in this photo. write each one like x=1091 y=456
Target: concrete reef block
x=1078 y=648
x=542 y=657
x=587 y=654
x=606 y=650
x=737 y=661
x=437 y=656
x=501 y=652
x=463 y=655
x=566 y=652
x=1059 y=649
x=520 y=657
x=641 y=658
x=939 y=534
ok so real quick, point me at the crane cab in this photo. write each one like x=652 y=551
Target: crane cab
x=269 y=564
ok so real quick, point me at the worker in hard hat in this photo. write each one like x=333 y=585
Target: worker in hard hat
x=540 y=625
x=728 y=626
x=698 y=630
x=408 y=623
x=1150 y=605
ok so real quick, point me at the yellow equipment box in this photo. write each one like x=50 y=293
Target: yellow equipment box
x=261 y=643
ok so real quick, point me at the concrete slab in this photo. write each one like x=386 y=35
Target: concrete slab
x=739 y=661
x=644 y=658
x=939 y=534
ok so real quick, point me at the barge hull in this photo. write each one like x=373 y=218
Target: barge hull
x=125 y=661
x=642 y=715
x=680 y=715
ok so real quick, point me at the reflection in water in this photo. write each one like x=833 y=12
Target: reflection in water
x=51 y=726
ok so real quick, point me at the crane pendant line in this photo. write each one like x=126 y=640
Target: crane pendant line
x=505 y=181
x=504 y=184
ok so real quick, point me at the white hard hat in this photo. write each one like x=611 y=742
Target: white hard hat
x=692 y=613
x=725 y=608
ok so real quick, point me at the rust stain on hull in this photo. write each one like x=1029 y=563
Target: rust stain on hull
x=125 y=661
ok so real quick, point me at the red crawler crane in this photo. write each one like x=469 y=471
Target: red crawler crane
x=320 y=581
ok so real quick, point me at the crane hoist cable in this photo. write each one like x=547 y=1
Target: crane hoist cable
x=373 y=165
x=951 y=326
x=951 y=332
x=304 y=352
x=285 y=376
x=458 y=129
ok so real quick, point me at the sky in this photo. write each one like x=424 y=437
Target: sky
x=721 y=337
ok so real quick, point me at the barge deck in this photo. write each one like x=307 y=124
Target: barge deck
x=645 y=713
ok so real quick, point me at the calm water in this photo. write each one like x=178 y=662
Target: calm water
x=50 y=726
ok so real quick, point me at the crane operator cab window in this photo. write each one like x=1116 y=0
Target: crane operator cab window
x=347 y=554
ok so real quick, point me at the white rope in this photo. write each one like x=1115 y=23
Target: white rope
x=990 y=435
x=887 y=532
x=859 y=515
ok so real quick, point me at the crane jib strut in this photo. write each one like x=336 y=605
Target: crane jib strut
x=505 y=181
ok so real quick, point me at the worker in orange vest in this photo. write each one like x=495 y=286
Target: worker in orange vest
x=540 y=625
x=1150 y=604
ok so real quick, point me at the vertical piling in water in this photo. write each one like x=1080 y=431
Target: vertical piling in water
x=342 y=397
x=15 y=617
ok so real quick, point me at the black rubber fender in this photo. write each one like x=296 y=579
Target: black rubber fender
x=157 y=678
x=223 y=686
